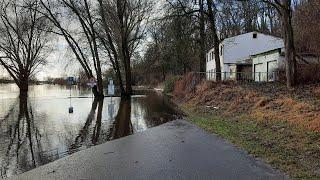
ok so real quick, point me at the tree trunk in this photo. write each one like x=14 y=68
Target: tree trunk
x=215 y=39
x=163 y=73
x=99 y=93
x=129 y=90
x=127 y=65
x=291 y=65
x=202 y=63
x=125 y=55
x=23 y=86
x=122 y=90
x=97 y=90
x=217 y=58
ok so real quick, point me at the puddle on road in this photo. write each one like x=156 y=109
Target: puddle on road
x=37 y=130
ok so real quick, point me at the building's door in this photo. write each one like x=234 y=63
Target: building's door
x=271 y=66
x=244 y=72
x=258 y=72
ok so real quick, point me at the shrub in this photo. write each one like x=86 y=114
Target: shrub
x=308 y=73
x=185 y=85
x=170 y=83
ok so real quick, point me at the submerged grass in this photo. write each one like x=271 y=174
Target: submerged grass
x=285 y=146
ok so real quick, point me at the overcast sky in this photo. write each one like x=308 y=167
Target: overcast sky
x=60 y=57
x=58 y=62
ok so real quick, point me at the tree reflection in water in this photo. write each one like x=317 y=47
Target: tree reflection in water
x=85 y=130
x=24 y=144
x=37 y=131
x=97 y=128
x=122 y=125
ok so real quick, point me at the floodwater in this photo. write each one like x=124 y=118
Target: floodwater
x=38 y=129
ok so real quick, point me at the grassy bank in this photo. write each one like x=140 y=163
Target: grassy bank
x=291 y=149
x=267 y=120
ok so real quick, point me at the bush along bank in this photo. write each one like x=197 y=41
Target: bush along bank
x=266 y=120
x=169 y=84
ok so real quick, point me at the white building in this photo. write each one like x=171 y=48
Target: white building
x=236 y=52
x=264 y=65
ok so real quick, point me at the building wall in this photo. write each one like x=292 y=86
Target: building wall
x=236 y=49
x=211 y=65
x=263 y=66
x=243 y=46
x=231 y=72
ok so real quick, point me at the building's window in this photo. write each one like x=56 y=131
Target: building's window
x=255 y=35
x=221 y=50
x=212 y=55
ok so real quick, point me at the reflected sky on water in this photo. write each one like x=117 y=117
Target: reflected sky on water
x=38 y=129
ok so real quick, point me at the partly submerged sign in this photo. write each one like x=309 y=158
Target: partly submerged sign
x=110 y=87
x=71 y=80
x=92 y=82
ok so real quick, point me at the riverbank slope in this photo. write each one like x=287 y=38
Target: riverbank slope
x=281 y=127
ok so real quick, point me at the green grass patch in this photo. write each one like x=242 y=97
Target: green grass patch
x=286 y=147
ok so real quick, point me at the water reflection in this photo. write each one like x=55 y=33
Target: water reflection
x=84 y=131
x=122 y=125
x=22 y=140
x=36 y=130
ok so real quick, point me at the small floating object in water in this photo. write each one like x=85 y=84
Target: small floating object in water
x=70 y=110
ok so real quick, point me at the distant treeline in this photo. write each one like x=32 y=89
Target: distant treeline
x=5 y=81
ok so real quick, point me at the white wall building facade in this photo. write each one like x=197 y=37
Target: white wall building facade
x=265 y=65
x=238 y=50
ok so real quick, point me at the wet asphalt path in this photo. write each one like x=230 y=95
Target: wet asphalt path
x=175 y=150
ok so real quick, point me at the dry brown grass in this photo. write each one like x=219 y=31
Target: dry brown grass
x=262 y=102
x=279 y=126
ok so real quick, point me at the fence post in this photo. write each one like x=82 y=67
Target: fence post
x=274 y=76
x=259 y=76
x=225 y=75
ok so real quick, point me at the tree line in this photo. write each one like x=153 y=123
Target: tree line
x=190 y=27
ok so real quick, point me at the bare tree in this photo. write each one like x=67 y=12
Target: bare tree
x=205 y=10
x=202 y=38
x=24 y=36
x=81 y=38
x=307 y=27
x=284 y=8
x=107 y=40
x=124 y=24
x=212 y=15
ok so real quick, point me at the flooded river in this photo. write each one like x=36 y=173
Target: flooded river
x=38 y=129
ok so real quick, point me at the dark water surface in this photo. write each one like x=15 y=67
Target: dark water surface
x=38 y=129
